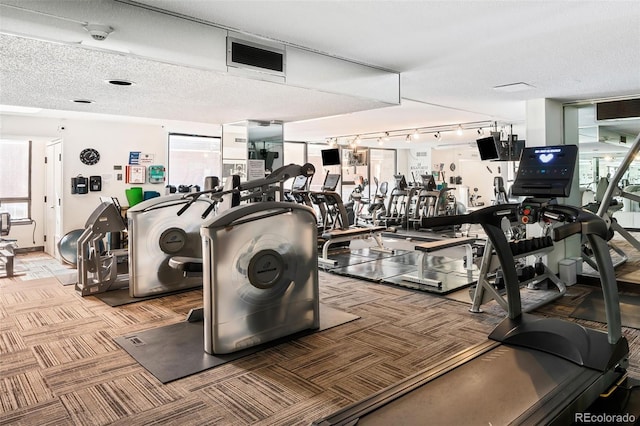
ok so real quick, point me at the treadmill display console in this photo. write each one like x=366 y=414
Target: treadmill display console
x=546 y=171
x=331 y=182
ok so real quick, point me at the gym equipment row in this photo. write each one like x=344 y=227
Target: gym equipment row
x=539 y=370
x=159 y=229
x=336 y=220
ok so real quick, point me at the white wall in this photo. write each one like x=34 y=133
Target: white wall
x=113 y=139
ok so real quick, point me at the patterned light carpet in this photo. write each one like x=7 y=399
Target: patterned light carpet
x=59 y=364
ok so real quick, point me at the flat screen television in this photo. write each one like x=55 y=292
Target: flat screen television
x=487 y=148
x=330 y=157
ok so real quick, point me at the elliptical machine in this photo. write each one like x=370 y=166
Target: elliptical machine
x=259 y=266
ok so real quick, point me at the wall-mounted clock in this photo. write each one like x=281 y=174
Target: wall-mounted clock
x=452 y=167
x=89 y=156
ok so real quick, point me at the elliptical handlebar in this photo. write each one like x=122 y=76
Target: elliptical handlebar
x=279 y=175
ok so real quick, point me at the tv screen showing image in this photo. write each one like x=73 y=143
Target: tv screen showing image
x=330 y=157
x=487 y=148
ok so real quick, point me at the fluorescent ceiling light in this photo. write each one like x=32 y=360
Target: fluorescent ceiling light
x=19 y=109
x=513 y=87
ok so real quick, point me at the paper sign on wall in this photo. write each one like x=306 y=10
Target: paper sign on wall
x=136 y=174
x=255 y=169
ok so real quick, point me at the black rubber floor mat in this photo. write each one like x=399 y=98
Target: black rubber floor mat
x=176 y=351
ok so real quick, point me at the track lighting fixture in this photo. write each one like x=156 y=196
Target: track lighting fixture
x=413 y=134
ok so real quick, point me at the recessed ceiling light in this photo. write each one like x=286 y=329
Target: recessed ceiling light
x=82 y=101
x=513 y=87
x=120 y=82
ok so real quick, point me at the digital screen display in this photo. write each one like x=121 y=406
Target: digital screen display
x=331 y=182
x=299 y=183
x=546 y=171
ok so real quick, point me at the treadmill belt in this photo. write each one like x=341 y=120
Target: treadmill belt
x=495 y=388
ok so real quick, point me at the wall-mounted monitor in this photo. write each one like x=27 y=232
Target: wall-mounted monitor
x=330 y=157
x=488 y=148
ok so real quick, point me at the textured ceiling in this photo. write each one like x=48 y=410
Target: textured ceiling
x=450 y=55
x=51 y=75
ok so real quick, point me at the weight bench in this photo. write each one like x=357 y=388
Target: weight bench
x=433 y=246
x=342 y=235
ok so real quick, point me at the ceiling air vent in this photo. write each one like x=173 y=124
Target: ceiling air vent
x=255 y=56
x=629 y=108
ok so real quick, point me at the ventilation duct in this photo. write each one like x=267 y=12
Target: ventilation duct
x=256 y=56
x=629 y=108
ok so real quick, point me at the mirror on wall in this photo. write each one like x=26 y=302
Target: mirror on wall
x=265 y=141
x=603 y=145
x=252 y=143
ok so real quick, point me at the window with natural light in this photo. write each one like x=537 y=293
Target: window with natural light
x=15 y=178
x=192 y=158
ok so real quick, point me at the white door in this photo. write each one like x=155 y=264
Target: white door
x=53 y=198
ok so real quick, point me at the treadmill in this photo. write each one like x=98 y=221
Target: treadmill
x=531 y=370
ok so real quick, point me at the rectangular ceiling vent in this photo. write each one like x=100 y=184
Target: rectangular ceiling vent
x=255 y=56
x=629 y=108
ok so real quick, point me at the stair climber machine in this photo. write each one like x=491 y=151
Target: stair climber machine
x=259 y=266
x=531 y=370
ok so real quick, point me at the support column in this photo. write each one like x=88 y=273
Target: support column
x=547 y=125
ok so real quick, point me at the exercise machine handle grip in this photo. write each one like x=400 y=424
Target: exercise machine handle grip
x=208 y=210
x=564 y=231
x=186 y=206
